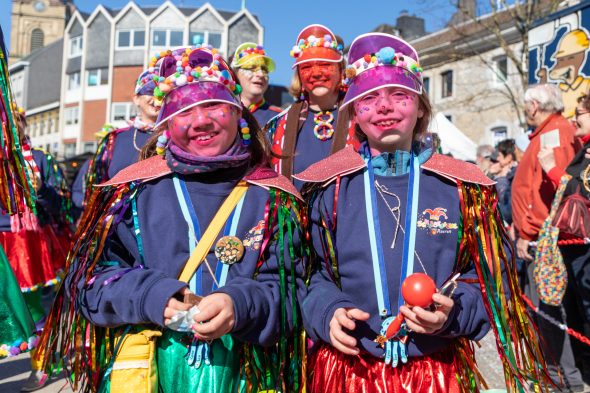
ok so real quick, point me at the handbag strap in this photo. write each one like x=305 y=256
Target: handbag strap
x=558 y=196
x=210 y=234
x=585 y=175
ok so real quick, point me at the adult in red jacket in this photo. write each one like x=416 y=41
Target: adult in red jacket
x=532 y=194
x=532 y=189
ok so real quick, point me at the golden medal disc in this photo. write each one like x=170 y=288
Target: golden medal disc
x=229 y=250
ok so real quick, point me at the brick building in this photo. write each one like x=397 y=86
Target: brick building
x=106 y=50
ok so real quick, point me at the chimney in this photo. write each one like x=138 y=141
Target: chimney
x=410 y=26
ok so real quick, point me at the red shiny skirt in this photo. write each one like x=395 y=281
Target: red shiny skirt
x=334 y=372
x=36 y=257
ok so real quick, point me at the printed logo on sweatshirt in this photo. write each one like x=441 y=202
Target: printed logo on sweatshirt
x=253 y=238
x=435 y=221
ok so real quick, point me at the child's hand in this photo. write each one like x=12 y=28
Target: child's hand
x=216 y=317
x=422 y=321
x=344 y=318
x=174 y=305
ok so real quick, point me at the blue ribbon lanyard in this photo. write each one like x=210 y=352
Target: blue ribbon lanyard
x=194 y=235
x=379 y=268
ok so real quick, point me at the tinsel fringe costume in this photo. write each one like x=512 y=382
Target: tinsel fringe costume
x=16 y=197
x=37 y=255
x=91 y=347
x=481 y=236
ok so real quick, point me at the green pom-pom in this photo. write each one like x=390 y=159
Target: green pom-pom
x=238 y=89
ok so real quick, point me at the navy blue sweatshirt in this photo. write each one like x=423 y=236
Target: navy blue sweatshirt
x=436 y=244
x=309 y=149
x=125 y=153
x=48 y=198
x=140 y=295
x=264 y=113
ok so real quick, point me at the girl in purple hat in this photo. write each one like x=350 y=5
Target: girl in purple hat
x=413 y=261
x=229 y=324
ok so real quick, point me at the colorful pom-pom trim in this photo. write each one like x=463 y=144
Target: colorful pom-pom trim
x=186 y=74
x=162 y=143
x=312 y=41
x=384 y=56
x=18 y=347
x=245 y=131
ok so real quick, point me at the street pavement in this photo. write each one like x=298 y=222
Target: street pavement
x=14 y=372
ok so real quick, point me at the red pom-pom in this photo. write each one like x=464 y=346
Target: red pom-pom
x=417 y=290
x=367 y=58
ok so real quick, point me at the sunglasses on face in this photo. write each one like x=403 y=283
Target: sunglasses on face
x=580 y=113
x=250 y=72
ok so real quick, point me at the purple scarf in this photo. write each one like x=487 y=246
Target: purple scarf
x=186 y=163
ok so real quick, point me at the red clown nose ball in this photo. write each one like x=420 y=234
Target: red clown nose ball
x=417 y=290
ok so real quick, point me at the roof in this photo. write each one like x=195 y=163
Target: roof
x=468 y=38
x=40 y=52
x=186 y=11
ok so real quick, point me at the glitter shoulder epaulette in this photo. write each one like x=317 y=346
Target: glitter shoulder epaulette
x=454 y=169
x=343 y=162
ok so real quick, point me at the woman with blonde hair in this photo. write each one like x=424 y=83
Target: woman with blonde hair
x=312 y=128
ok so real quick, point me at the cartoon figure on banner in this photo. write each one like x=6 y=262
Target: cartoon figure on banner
x=562 y=58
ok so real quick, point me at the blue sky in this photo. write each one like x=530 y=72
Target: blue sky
x=283 y=19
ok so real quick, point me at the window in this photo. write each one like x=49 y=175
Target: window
x=50 y=124
x=123 y=111
x=89 y=147
x=426 y=83
x=447 y=84
x=71 y=116
x=499 y=134
x=74 y=81
x=449 y=118
x=197 y=38
x=501 y=68
x=176 y=38
x=69 y=149
x=138 y=38
x=123 y=39
x=42 y=127
x=97 y=77
x=205 y=37
x=215 y=40
x=167 y=38
x=76 y=45
x=37 y=39
x=130 y=39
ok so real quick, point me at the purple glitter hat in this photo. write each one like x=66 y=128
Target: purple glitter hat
x=145 y=84
x=192 y=76
x=378 y=60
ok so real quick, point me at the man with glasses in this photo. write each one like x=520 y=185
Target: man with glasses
x=252 y=66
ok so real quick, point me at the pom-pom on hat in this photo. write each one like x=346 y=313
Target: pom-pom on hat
x=377 y=60
x=192 y=76
x=146 y=83
x=248 y=52
x=316 y=43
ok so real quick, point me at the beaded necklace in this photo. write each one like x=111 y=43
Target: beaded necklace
x=323 y=129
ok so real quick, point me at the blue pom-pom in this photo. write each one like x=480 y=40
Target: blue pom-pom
x=339 y=47
x=225 y=74
x=162 y=139
x=386 y=54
